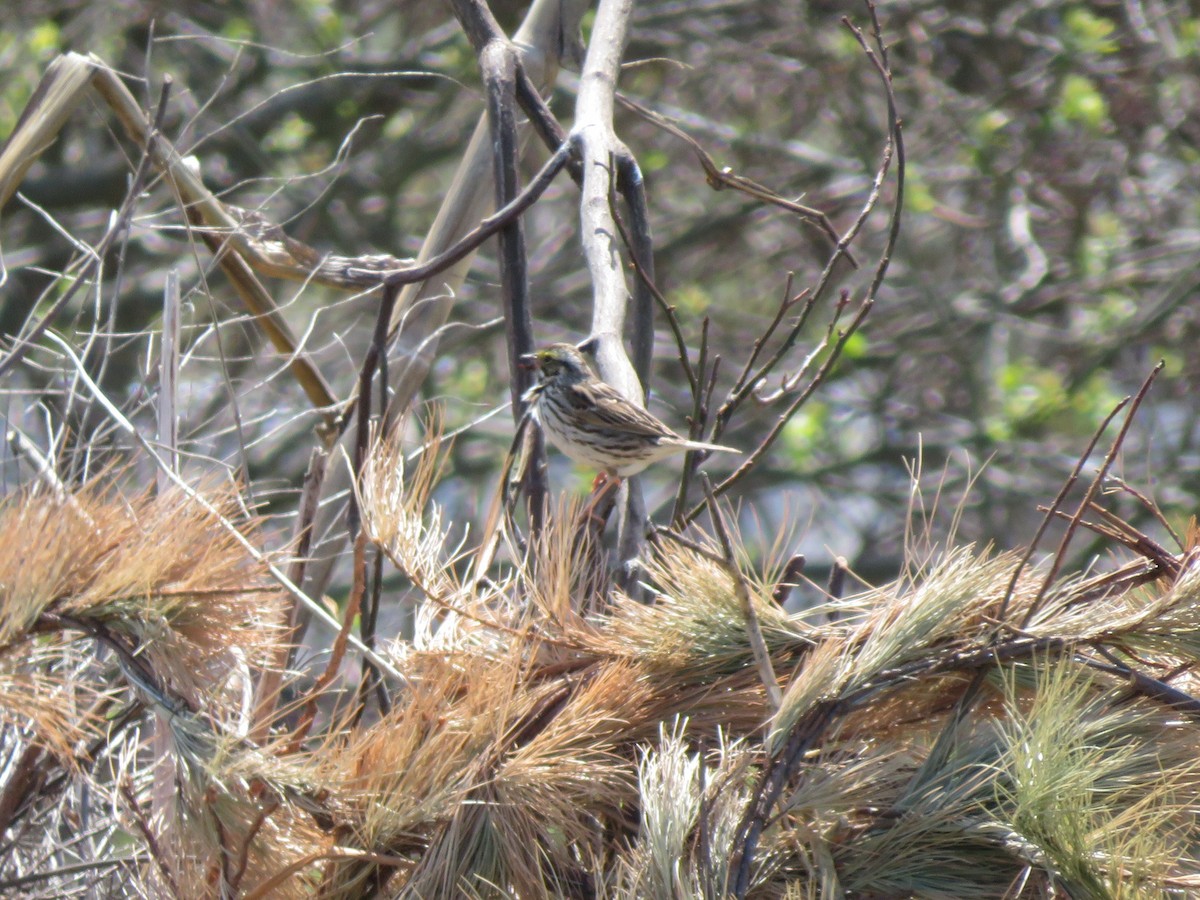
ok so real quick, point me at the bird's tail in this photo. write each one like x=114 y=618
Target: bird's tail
x=700 y=445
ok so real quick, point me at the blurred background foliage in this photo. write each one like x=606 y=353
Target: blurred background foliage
x=1047 y=258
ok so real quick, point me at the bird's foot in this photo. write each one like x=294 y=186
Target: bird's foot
x=600 y=503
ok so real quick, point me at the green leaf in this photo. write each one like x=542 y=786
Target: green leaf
x=290 y=135
x=919 y=198
x=691 y=298
x=806 y=431
x=988 y=125
x=653 y=160
x=856 y=346
x=45 y=39
x=237 y=28
x=1089 y=33
x=1081 y=103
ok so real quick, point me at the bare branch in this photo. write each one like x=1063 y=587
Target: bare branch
x=758 y=646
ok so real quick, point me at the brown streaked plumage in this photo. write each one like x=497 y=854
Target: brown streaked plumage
x=592 y=423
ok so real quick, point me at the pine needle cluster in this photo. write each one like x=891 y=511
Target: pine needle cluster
x=925 y=744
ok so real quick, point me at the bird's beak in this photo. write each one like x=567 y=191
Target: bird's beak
x=529 y=362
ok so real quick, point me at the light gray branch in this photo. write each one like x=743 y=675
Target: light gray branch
x=600 y=149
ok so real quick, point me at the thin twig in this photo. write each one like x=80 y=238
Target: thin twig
x=759 y=452
x=362 y=411
x=723 y=177
x=354 y=515
x=893 y=148
x=1139 y=542
x=1147 y=685
x=257 y=300
x=370 y=623
x=160 y=862
x=1109 y=459
x=246 y=842
x=696 y=547
x=501 y=509
x=487 y=227
x=703 y=839
x=338 y=651
x=668 y=310
x=896 y=142
x=271 y=682
x=1150 y=506
x=696 y=425
x=133 y=861
x=785 y=304
x=24 y=448
x=1059 y=498
x=118 y=225
x=758 y=646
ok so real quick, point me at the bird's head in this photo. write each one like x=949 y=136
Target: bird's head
x=557 y=361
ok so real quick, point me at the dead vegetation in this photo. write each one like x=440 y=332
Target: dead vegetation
x=922 y=746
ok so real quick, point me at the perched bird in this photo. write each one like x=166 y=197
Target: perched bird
x=592 y=423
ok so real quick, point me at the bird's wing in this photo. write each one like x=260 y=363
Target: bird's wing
x=600 y=404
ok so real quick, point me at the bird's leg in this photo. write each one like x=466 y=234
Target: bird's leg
x=604 y=489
